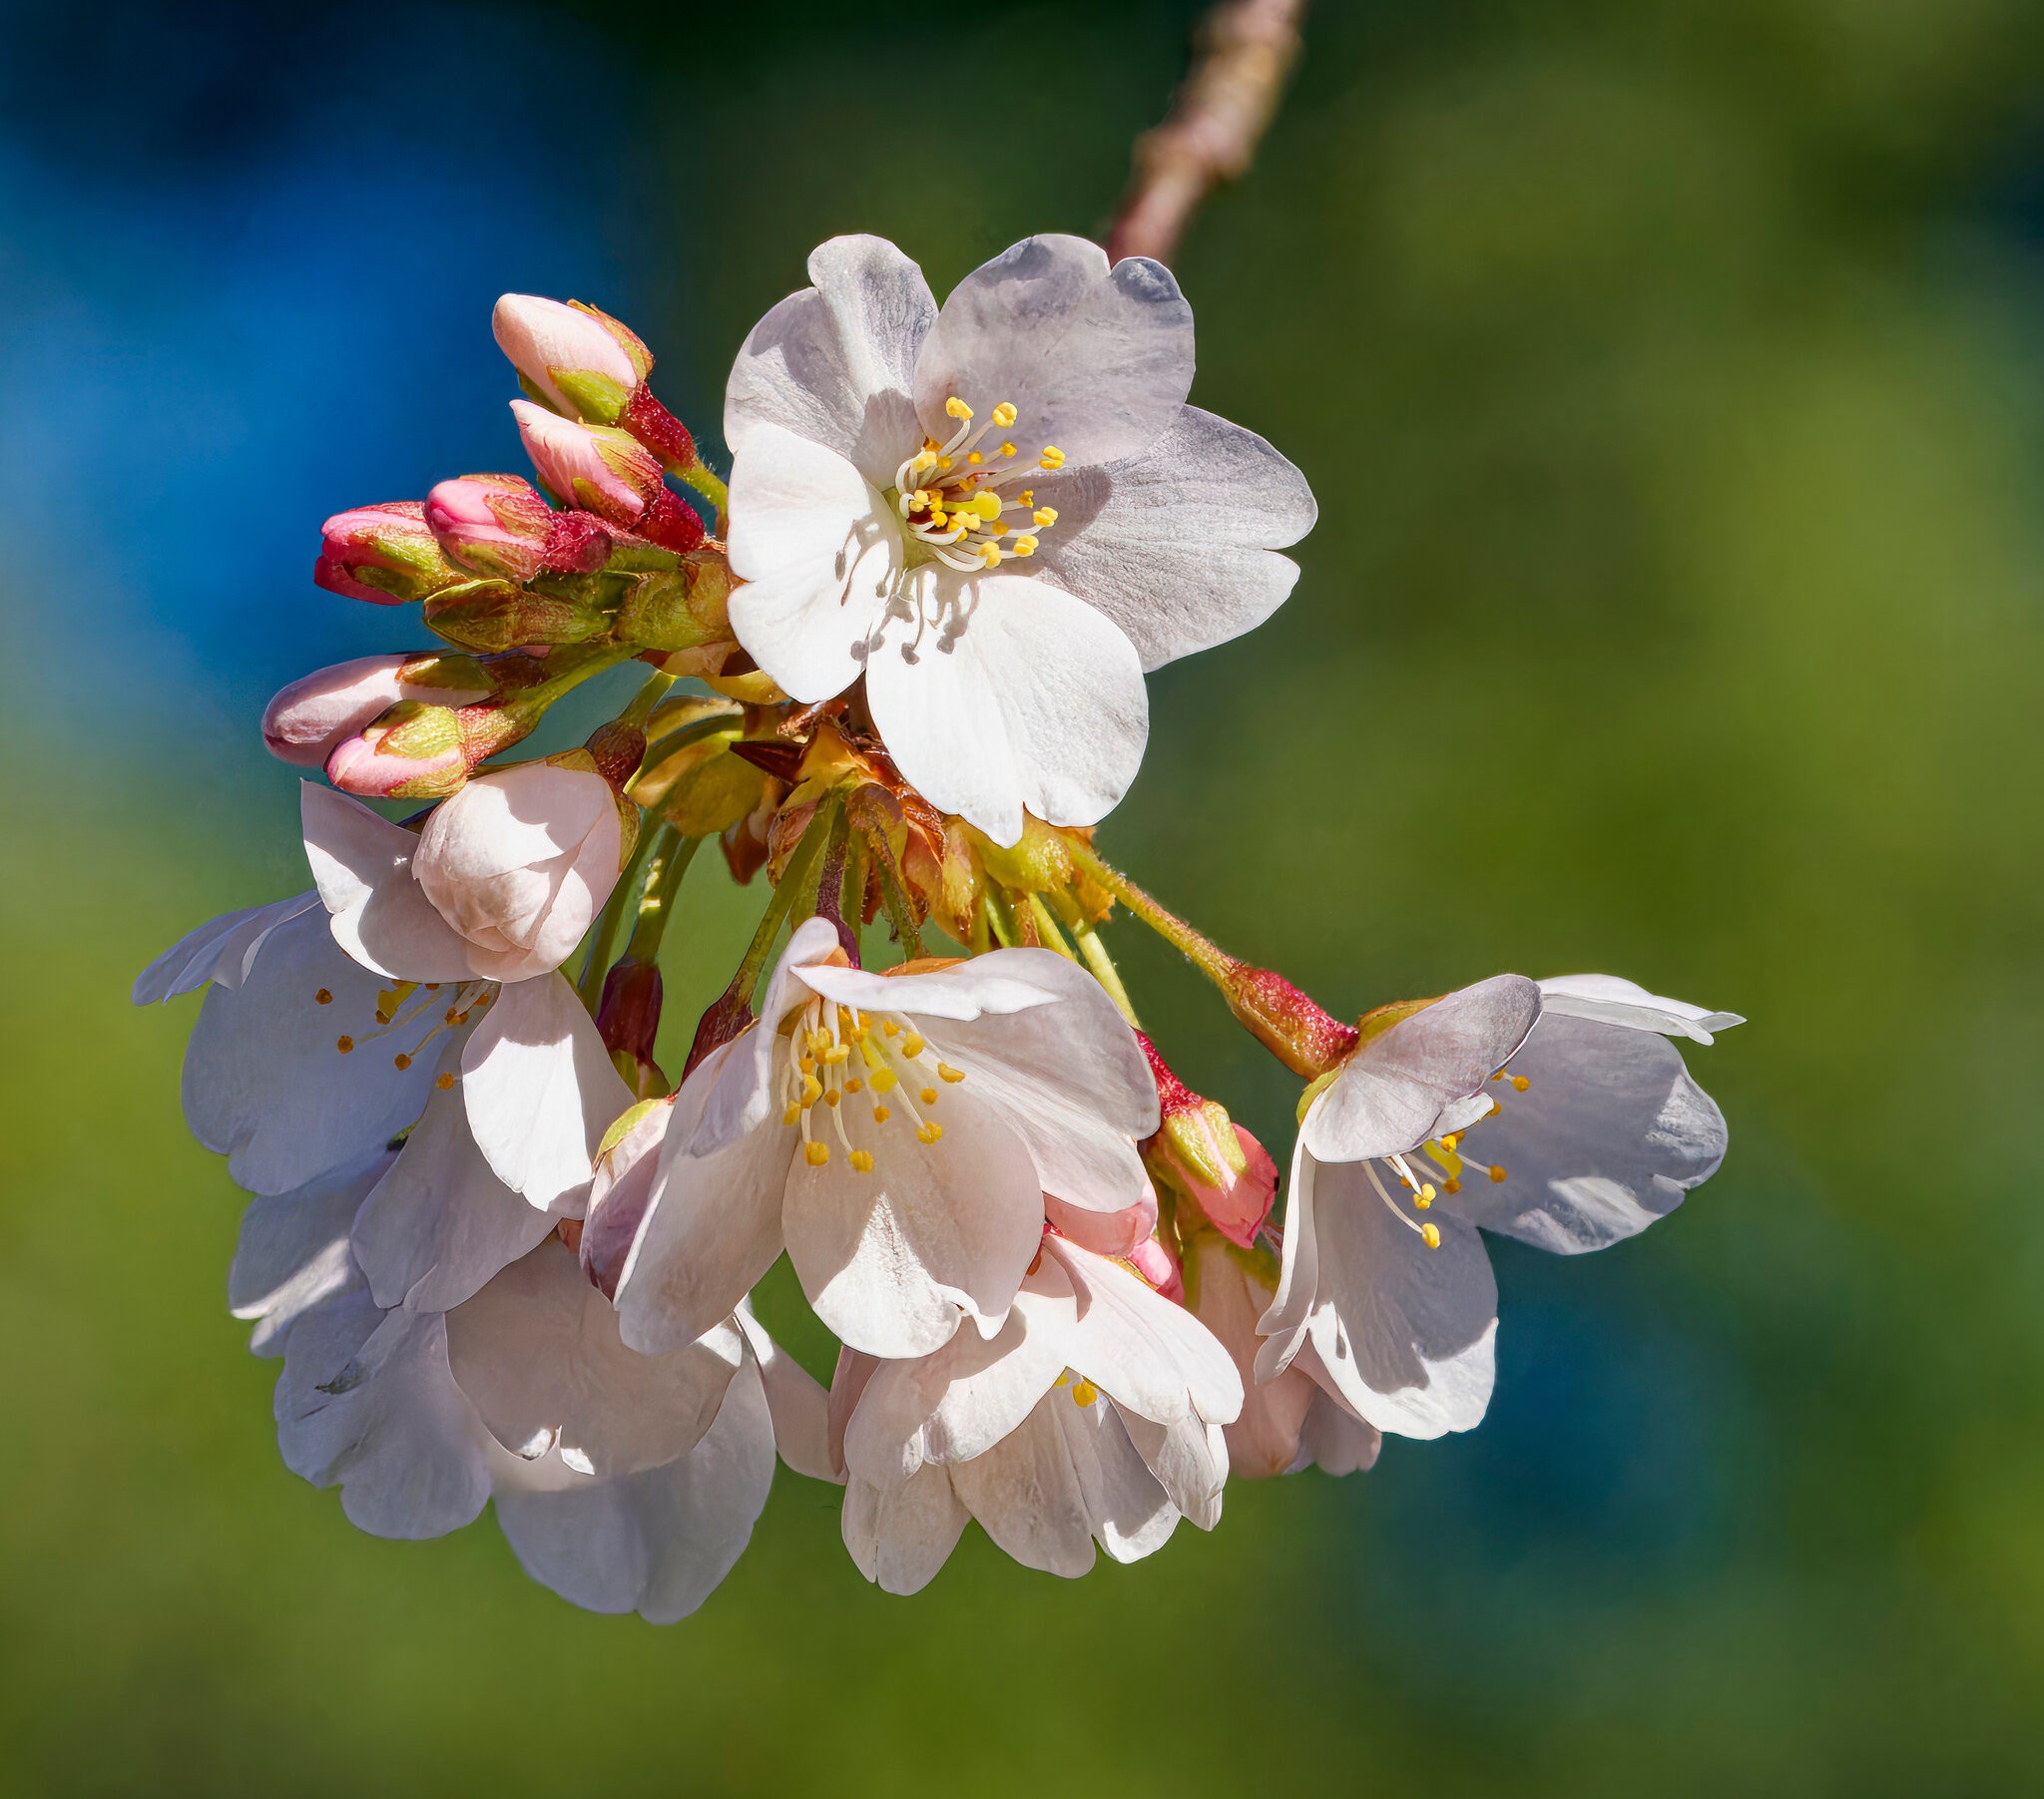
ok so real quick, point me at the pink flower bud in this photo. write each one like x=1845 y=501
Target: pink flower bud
x=580 y=361
x=520 y=862
x=1156 y=1264
x=608 y=473
x=307 y=720
x=1105 y=1233
x=412 y=752
x=1218 y=1166
x=384 y=554
x=491 y=525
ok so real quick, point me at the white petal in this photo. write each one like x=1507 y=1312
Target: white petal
x=265 y=1081
x=890 y=1258
x=1612 y=1001
x=1177 y=546
x=899 y=1535
x=440 y=1225
x=1095 y=360
x=538 y=1353
x=1283 y=1325
x=1264 y=1439
x=1407 y=1333
x=622 y=1191
x=797 y=1402
x=221 y=950
x=834 y=362
x=366 y=1402
x=1035 y=700
x=541 y=1092
x=743 y=1092
x=1151 y=1355
x=1127 y=1506
x=819 y=554
x=293 y=1254
x=1609 y=1135
x=1027 y=1495
x=1189 y=1459
x=1336 y=1440
x=381 y=916
x=710 y=1229
x=657 y=1543
x=1400 y=1088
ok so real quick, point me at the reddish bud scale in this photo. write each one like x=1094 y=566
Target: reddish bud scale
x=628 y=1016
x=659 y=430
x=618 y=749
x=576 y=544
x=672 y=523
x=1173 y=1094
x=1308 y=1040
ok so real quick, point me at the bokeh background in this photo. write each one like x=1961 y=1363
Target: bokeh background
x=1672 y=378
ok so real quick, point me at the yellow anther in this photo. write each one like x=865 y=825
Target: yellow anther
x=1046 y=516
x=1063 y=1380
x=1007 y=449
x=928 y=1096
x=833 y=1096
x=1005 y=415
x=862 y=1160
x=808 y=1064
x=946 y=1071
x=344 y=1043
x=1084 y=1393
x=792 y=1115
x=322 y=998
x=1027 y=496
x=401 y=1062
x=990 y=554
x=957 y=408
x=1520 y=1083
x=929 y=1133
x=1025 y=546
x=974 y=457
x=988 y=506
x=452 y=1015
x=882 y=1115
x=445 y=1083
x=1052 y=457
x=1430 y=1235
x=382 y=1018
x=941 y=521
x=889 y=1028
x=815 y=1154
x=837 y=1053
x=1497 y=1173
x=943 y=462
x=1451 y=1186
x=812 y=1089
x=883 y=1081
x=923 y=462
x=911 y=1044
x=853 y=1085
x=1424 y=1197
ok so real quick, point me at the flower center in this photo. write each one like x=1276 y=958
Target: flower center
x=848 y=1062
x=953 y=496
x=402 y=1008
x=1438 y=1157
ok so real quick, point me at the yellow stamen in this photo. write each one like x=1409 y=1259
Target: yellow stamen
x=1520 y=1083
x=946 y=1072
x=401 y=1062
x=1430 y=1235
x=322 y=998
x=974 y=457
x=815 y=1154
x=444 y=1083
x=912 y=1046
x=1497 y=1174
x=1052 y=457
x=1424 y=1197
x=957 y=408
x=882 y=1115
x=1025 y=546
x=1084 y=1393
x=862 y=1160
x=344 y=1043
x=990 y=554
x=929 y=1133
x=1007 y=449
x=1046 y=516
x=1005 y=415
x=792 y=1115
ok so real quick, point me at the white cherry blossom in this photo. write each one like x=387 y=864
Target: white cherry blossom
x=1093 y=1416
x=1000 y=512
x=1556 y=1113
x=896 y=1133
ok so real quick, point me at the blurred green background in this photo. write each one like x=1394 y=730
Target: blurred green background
x=1672 y=379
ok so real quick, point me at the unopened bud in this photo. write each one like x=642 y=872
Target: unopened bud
x=572 y=357
x=682 y=610
x=492 y=616
x=628 y=1021
x=384 y=553
x=606 y=472
x=491 y=525
x=308 y=719
x=413 y=751
x=1205 y=1158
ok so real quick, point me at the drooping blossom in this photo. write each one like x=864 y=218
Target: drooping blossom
x=896 y=1134
x=999 y=514
x=1093 y=1416
x=1384 y=1272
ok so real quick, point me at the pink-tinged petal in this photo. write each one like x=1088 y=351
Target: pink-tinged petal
x=538 y=1353
x=221 y=951
x=892 y=1257
x=818 y=553
x=1025 y=700
x=1334 y=1437
x=1105 y=1233
x=1412 y=1081
x=1264 y=1439
x=439 y=1225
x=541 y=1092
x=1028 y=1497
x=660 y=1542
x=834 y=363
x=797 y=1401
x=621 y=1193
x=1407 y=1333
x=745 y=1091
x=361 y=864
x=710 y=1227
x=900 y=1536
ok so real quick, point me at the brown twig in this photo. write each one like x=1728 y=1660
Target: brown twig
x=1244 y=51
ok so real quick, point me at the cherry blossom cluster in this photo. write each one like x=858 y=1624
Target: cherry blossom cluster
x=894 y=672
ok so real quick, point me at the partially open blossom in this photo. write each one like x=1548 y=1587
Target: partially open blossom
x=897 y=468
x=1207 y=1159
x=606 y=472
x=581 y=363
x=1384 y=1272
x=1093 y=1416
x=307 y=720
x=896 y=1133
x=491 y=525
x=384 y=553
x=411 y=752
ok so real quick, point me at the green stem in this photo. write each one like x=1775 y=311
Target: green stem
x=551 y=688
x=656 y=906
x=1210 y=959
x=1105 y=972
x=590 y=987
x=1047 y=928
x=648 y=697
x=712 y=489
